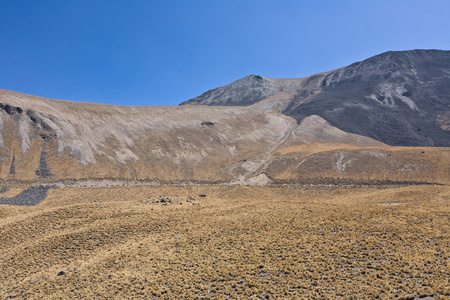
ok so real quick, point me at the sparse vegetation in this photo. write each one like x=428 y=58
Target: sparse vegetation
x=238 y=242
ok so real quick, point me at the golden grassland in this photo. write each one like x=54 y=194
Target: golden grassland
x=237 y=242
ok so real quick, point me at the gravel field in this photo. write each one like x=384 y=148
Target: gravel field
x=30 y=196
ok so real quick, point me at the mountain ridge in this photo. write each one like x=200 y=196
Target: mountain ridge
x=44 y=139
x=53 y=141
x=401 y=98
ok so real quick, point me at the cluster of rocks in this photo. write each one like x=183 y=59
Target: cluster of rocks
x=165 y=200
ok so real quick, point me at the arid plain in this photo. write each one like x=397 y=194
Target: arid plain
x=279 y=242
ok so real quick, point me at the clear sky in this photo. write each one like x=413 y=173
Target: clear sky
x=164 y=52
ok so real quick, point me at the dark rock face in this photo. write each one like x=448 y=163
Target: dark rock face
x=399 y=98
x=38 y=122
x=395 y=97
x=11 y=110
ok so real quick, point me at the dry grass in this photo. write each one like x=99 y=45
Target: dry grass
x=339 y=163
x=237 y=242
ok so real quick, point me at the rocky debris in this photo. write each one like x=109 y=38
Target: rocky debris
x=43 y=171
x=209 y=124
x=165 y=200
x=62 y=273
x=31 y=196
x=12 y=168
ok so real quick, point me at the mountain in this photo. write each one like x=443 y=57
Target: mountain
x=399 y=98
x=45 y=140
x=333 y=127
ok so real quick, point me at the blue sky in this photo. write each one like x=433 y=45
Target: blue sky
x=165 y=52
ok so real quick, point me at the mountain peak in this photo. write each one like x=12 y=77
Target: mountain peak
x=242 y=92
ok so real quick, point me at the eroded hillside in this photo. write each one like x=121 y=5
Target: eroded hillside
x=45 y=140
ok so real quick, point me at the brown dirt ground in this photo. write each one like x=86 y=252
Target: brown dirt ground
x=237 y=242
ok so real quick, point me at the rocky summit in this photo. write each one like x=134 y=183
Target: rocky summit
x=401 y=98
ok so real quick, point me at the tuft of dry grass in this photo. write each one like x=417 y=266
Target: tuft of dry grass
x=237 y=242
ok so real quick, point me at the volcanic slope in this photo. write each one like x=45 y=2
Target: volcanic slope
x=399 y=98
x=45 y=140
